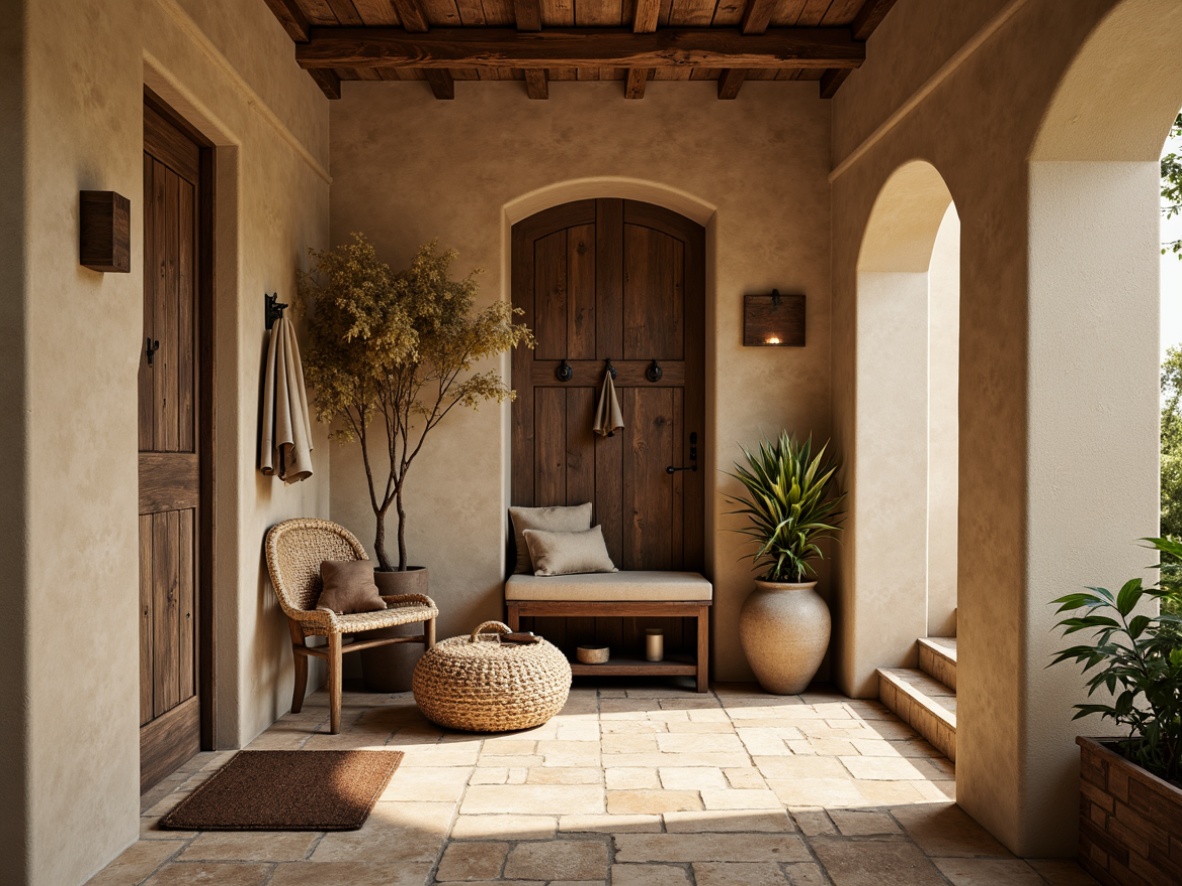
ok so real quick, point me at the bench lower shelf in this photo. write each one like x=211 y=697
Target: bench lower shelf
x=628 y=667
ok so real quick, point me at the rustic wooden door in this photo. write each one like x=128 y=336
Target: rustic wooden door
x=624 y=281
x=171 y=433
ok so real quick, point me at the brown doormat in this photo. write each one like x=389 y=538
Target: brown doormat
x=288 y=791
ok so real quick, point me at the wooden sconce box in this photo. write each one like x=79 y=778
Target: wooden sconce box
x=773 y=320
x=104 y=231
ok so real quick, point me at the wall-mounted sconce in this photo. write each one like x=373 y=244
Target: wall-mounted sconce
x=773 y=320
x=104 y=231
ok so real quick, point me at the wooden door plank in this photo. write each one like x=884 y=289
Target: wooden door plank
x=550 y=296
x=580 y=262
x=146 y=633
x=609 y=282
x=694 y=405
x=186 y=343
x=186 y=605
x=521 y=410
x=550 y=445
x=580 y=445
x=168 y=741
x=680 y=480
x=145 y=384
x=167 y=323
x=609 y=494
x=647 y=499
x=159 y=296
x=653 y=295
x=164 y=610
x=169 y=481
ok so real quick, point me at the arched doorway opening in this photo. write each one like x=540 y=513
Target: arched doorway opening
x=905 y=454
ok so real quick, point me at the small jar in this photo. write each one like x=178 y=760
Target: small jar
x=654 y=644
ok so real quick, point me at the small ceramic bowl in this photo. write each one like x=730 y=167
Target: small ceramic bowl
x=593 y=654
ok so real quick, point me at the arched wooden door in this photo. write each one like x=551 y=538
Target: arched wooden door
x=625 y=281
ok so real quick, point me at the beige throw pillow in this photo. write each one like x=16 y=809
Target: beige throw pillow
x=349 y=587
x=554 y=519
x=568 y=553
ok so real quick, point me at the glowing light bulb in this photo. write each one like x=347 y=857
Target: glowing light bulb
x=772 y=340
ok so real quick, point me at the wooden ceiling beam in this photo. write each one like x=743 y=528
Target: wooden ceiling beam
x=292 y=18
x=328 y=80
x=869 y=17
x=637 y=80
x=730 y=81
x=831 y=81
x=443 y=85
x=499 y=48
x=536 y=85
x=411 y=13
x=648 y=14
x=528 y=14
x=757 y=16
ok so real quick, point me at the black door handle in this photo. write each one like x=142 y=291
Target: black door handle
x=672 y=470
x=693 y=466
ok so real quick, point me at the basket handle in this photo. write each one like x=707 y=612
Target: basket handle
x=501 y=627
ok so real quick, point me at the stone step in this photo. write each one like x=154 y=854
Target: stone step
x=937 y=658
x=924 y=703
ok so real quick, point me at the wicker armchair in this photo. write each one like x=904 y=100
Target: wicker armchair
x=295 y=549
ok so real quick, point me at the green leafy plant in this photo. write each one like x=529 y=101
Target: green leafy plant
x=791 y=505
x=1137 y=659
x=391 y=356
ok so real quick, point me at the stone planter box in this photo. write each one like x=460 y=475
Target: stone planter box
x=1130 y=822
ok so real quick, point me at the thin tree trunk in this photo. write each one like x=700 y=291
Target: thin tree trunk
x=401 y=531
x=379 y=542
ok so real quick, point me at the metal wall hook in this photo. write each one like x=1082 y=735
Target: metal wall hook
x=273 y=308
x=653 y=373
x=611 y=369
x=564 y=372
x=153 y=347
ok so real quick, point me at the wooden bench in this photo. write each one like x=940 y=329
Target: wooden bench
x=620 y=595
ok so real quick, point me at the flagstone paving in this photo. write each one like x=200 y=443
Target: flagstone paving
x=628 y=786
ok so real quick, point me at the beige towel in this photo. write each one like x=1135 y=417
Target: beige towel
x=286 y=444
x=608 y=418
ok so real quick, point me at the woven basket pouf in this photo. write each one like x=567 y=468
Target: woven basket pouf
x=479 y=684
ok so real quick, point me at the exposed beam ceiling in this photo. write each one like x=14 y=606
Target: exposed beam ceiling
x=537 y=41
x=499 y=48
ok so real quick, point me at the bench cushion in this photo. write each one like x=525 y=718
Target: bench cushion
x=634 y=587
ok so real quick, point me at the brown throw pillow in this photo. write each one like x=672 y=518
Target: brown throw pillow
x=568 y=553
x=349 y=587
x=554 y=519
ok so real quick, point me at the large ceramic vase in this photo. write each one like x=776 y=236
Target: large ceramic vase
x=389 y=668
x=784 y=628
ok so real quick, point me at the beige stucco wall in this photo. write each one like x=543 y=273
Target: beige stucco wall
x=87 y=63
x=1040 y=361
x=408 y=168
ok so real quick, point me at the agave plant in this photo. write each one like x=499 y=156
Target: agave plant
x=791 y=505
x=1137 y=659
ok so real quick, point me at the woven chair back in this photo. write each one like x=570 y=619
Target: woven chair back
x=295 y=550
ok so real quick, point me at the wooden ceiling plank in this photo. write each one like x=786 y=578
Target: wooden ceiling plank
x=729 y=13
x=329 y=82
x=831 y=81
x=870 y=17
x=528 y=14
x=814 y=12
x=686 y=48
x=558 y=14
x=637 y=79
x=692 y=13
x=602 y=14
x=318 y=12
x=841 y=13
x=440 y=13
x=758 y=16
x=346 y=13
x=536 y=85
x=377 y=13
x=442 y=84
x=730 y=81
x=647 y=16
x=292 y=18
x=471 y=13
x=498 y=13
x=414 y=20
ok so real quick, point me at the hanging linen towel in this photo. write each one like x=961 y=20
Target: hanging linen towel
x=285 y=447
x=608 y=417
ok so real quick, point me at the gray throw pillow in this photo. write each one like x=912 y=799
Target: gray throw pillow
x=554 y=519
x=349 y=587
x=568 y=553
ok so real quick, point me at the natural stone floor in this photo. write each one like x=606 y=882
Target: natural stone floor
x=628 y=786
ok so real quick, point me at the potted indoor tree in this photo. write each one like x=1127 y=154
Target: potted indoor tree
x=1131 y=805
x=792 y=505
x=390 y=356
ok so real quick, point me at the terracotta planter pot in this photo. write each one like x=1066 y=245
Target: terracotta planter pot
x=784 y=628
x=389 y=668
x=1128 y=819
